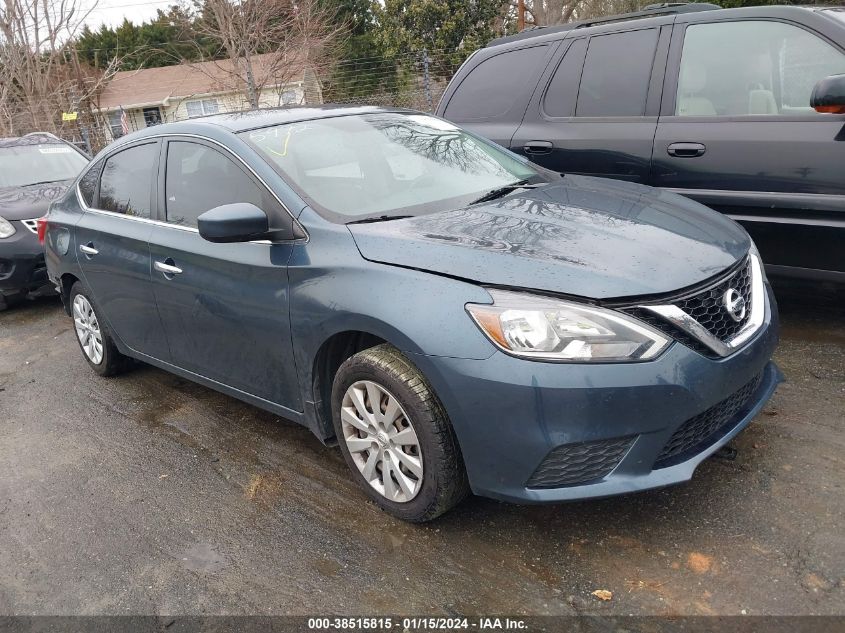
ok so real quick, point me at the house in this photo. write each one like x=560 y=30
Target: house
x=151 y=96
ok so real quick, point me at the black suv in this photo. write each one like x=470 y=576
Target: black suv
x=34 y=170
x=739 y=109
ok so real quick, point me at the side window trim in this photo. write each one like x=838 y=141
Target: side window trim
x=566 y=45
x=673 y=70
x=159 y=138
x=654 y=97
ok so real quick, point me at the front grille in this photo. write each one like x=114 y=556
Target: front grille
x=572 y=464
x=32 y=225
x=667 y=328
x=708 y=307
x=704 y=429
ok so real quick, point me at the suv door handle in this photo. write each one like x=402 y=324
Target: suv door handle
x=169 y=269
x=89 y=250
x=538 y=147
x=686 y=150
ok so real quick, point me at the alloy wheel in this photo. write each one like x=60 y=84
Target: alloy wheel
x=382 y=441
x=88 y=329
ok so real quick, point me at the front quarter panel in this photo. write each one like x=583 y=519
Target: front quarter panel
x=334 y=289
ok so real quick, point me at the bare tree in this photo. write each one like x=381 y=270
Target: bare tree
x=269 y=42
x=40 y=74
x=550 y=12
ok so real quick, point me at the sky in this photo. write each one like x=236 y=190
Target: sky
x=112 y=12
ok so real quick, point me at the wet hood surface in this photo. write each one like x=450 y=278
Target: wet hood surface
x=580 y=236
x=30 y=201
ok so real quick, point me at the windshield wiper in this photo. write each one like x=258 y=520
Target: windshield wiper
x=43 y=182
x=380 y=218
x=498 y=192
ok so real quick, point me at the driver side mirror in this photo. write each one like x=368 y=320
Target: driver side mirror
x=829 y=95
x=239 y=222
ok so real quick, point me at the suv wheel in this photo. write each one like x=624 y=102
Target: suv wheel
x=93 y=336
x=395 y=436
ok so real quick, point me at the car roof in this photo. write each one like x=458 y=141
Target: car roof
x=254 y=119
x=655 y=12
x=33 y=138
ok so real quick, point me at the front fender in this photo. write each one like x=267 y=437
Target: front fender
x=333 y=289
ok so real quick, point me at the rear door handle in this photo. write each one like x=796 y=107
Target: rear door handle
x=686 y=150
x=538 y=147
x=89 y=250
x=169 y=269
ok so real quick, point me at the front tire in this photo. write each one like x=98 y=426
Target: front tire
x=396 y=437
x=92 y=334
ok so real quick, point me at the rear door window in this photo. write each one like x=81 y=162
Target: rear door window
x=492 y=87
x=88 y=183
x=563 y=90
x=127 y=180
x=616 y=74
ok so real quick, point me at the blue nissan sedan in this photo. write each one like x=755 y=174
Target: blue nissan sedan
x=455 y=318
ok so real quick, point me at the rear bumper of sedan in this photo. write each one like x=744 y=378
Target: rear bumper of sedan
x=22 y=266
x=534 y=432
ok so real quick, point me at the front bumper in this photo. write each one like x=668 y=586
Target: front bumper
x=22 y=266
x=509 y=414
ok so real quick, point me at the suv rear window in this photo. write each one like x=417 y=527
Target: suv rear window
x=492 y=87
x=616 y=74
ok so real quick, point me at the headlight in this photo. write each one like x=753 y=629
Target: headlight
x=6 y=228
x=551 y=329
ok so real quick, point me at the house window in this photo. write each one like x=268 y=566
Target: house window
x=201 y=107
x=289 y=97
x=152 y=116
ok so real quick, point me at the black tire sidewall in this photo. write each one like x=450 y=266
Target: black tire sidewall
x=360 y=368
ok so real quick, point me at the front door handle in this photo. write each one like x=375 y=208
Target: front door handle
x=89 y=250
x=167 y=267
x=538 y=147
x=686 y=150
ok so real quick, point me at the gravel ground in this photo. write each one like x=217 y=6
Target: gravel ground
x=149 y=494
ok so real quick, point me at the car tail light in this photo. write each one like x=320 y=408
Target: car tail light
x=42 y=229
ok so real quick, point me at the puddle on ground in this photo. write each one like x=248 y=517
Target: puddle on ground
x=202 y=557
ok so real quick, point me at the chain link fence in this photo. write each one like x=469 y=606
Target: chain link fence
x=415 y=81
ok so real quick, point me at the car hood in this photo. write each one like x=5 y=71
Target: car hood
x=581 y=236
x=30 y=201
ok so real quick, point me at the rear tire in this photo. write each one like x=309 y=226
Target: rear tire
x=93 y=335
x=402 y=449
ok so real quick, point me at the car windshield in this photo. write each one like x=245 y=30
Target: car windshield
x=22 y=165
x=386 y=164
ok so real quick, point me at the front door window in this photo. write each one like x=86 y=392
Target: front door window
x=752 y=68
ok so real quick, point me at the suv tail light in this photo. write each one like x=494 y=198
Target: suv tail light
x=41 y=223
